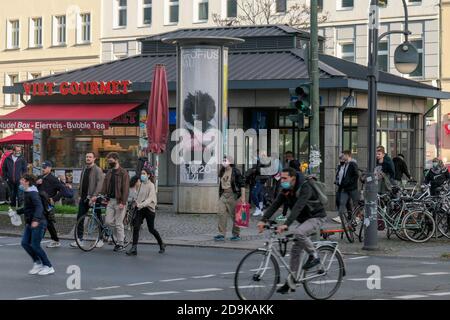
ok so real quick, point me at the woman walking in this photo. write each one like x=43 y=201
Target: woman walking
x=146 y=209
x=35 y=225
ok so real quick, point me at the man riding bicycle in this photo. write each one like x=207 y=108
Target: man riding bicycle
x=300 y=196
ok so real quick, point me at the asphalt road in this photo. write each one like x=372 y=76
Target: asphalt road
x=188 y=273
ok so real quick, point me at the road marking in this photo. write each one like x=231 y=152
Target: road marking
x=12 y=244
x=34 y=297
x=206 y=276
x=402 y=276
x=68 y=292
x=204 y=290
x=139 y=284
x=325 y=281
x=412 y=296
x=434 y=273
x=171 y=280
x=233 y=272
x=248 y=287
x=123 y=296
x=107 y=288
x=363 y=279
x=429 y=263
x=357 y=258
x=159 y=293
x=440 y=294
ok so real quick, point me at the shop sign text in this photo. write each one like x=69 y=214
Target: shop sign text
x=54 y=125
x=77 y=88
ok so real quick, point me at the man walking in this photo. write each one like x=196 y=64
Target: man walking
x=14 y=167
x=385 y=170
x=91 y=183
x=116 y=188
x=348 y=185
x=401 y=168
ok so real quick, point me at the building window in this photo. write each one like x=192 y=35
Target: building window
x=201 y=10
x=280 y=6
x=347 y=51
x=350 y=133
x=147 y=12
x=231 y=8
x=320 y=5
x=11 y=100
x=345 y=4
x=383 y=56
x=59 y=30
x=85 y=27
x=13 y=34
x=419 y=71
x=415 y=2
x=35 y=33
x=173 y=11
x=121 y=13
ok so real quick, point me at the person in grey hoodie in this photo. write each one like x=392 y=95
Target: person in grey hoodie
x=35 y=225
x=146 y=209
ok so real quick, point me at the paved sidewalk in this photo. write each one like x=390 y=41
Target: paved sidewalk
x=198 y=230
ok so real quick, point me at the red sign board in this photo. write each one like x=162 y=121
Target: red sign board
x=78 y=88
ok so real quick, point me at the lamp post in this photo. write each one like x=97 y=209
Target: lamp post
x=406 y=60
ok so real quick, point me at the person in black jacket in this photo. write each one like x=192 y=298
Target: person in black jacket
x=348 y=184
x=53 y=189
x=383 y=160
x=142 y=162
x=437 y=176
x=35 y=224
x=401 y=168
x=231 y=189
x=300 y=196
x=13 y=168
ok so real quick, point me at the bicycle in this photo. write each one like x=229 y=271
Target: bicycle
x=93 y=229
x=258 y=273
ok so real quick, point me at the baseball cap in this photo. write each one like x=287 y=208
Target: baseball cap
x=47 y=164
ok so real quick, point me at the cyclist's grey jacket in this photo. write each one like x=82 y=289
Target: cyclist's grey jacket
x=302 y=200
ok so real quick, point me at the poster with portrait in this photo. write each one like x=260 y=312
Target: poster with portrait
x=199 y=114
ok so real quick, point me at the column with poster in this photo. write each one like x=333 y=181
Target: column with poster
x=37 y=140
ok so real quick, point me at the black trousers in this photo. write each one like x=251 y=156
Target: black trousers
x=15 y=195
x=52 y=230
x=83 y=208
x=148 y=215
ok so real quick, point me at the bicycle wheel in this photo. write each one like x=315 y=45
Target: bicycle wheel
x=326 y=285
x=418 y=226
x=128 y=228
x=90 y=229
x=443 y=225
x=347 y=226
x=257 y=276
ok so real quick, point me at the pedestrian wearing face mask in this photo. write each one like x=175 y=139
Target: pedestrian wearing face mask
x=437 y=176
x=14 y=167
x=146 y=210
x=231 y=189
x=116 y=188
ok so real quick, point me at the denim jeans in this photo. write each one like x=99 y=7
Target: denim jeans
x=257 y=193
x=31 y=242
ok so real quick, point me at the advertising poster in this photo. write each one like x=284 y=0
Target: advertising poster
x=76 y=176
x=199 y=114
x=37 y=137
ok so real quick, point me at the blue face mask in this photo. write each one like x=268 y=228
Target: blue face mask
x=144 y=178
x=21 y=188
x=286 y=185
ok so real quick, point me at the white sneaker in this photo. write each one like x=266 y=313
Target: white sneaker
x=46 y=271
x=54 y=244
x=257 y=212
x=99 y=244
x=337 y=219
x=74 y=245
x=37 y=267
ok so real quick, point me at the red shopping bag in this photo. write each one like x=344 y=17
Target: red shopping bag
x=242 y=214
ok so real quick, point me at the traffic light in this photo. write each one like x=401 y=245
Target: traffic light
x=300 y=99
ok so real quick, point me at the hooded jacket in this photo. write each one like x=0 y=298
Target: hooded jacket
x=437 y=177
x=13 y=171
x=32 y=209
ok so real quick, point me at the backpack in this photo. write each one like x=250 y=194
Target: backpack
x=320 y=188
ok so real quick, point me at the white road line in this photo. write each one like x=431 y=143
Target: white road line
x=233 y=272
x=325 y=281
x=429 y=263
x=204 y=290
x=34 y=297
x=440 y=294
x=205 y=276
x=171 y=280
x=123 y=296
x=357 y=258
x=248 y=287
x=159 y=293
x=412 y=296
x=107 y=288
x=68 y=292
x=434 y=273
x=12 y=244
x=363 y=279
x=402 y=276
x=139 y=284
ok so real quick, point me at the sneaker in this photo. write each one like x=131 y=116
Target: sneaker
x=337 y=220
x=162 y=248
x=132 y=251
x=257 y=212
x=99 y=244
x=118 y=248
x=235 y=238
x=285 y=289
x=311 y=263
x=54 y=244
x=37 y=267
x=219 y=238
x=46 y=271
x=75 y=245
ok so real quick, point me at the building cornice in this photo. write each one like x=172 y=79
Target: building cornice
x=50 y=59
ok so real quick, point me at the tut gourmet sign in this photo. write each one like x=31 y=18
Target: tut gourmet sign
x=77 y=88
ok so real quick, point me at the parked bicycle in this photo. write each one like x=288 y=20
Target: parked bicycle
x=258 y=273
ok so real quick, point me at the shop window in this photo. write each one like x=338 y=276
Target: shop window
x=231 y=8
x=35 y=33
x=13 y=38
x=350 y=133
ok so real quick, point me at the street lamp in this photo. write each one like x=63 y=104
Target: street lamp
x=406 y=60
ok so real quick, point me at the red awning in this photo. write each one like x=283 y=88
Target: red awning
x=65 y=116
x=25 y=137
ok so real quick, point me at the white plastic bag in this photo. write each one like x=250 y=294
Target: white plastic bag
x=15 y=218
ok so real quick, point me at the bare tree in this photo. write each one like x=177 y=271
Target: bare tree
x=263 y=12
